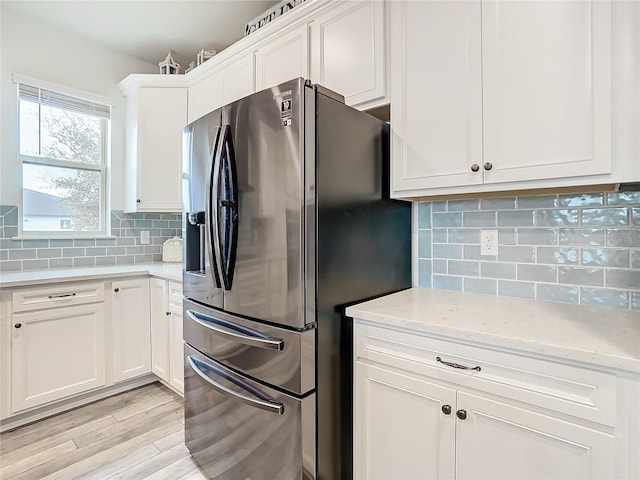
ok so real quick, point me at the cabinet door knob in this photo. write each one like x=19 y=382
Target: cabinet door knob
x=488 y=166
x=475 y=167
x=116 y=290
x=167 y=313
x=446 y=409
x=137 y=200
x=462 y=414
x=18 y=325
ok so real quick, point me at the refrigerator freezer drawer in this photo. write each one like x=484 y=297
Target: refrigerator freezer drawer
x=277 y=356
x=236 y=428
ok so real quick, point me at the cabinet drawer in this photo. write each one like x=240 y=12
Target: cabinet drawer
x=572 y=390
x=59 y=296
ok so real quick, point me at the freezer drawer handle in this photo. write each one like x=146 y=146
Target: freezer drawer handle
x=243 y=335
x=257 y=399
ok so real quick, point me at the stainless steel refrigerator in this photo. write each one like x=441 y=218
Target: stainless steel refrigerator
x=287 y=221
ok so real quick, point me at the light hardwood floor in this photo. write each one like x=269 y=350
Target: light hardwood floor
x=137 y=434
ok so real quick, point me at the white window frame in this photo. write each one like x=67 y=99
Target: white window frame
x=103 y=168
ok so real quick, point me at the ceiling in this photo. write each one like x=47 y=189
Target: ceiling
x=148 y=29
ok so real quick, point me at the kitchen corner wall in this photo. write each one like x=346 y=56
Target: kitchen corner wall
x=123 y=248
x=582 y=248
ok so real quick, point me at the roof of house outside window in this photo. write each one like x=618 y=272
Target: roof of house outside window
x=38 y=204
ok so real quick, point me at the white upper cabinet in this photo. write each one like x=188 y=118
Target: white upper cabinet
x=348 y=52
x=546 y=89
x=227 y=83
x=436 y=110
x=492 y=95
x=156 y=112
x=282 y=59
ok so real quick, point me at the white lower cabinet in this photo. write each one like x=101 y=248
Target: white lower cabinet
x=498 y=439
x=130 y=328
x=417 y=417
x=74 y=342
x=176 y=344
x=401 y=432
x=159 y=327
x=55 y=353
x=166 y=332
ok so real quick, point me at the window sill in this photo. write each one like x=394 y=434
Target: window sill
x=60 y=237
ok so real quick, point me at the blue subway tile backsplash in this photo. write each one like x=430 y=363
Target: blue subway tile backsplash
x=571 y=248
x=123 y=248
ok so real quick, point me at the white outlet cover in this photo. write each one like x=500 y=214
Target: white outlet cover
x=144 y=237
x=489 y=242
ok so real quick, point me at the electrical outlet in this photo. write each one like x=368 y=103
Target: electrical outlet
x=144 y=237
x=489 y=242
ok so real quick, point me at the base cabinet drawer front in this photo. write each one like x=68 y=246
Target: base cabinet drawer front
x=131 y=342
x=400 y=430
x=498 y=440
x=63 y=295
x=568 y=389
x=56 y=353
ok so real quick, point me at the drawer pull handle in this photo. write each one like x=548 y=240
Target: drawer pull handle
x=18 y=325
x=457 y=365
x=64 y=295
x=462 y=414
x=446 y=409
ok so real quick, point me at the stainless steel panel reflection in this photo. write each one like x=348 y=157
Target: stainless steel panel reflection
x=232 y=440
x=268 y=140
x=292 y=368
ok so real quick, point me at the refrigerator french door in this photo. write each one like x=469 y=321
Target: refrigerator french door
x=246 y=186
x=287 y=222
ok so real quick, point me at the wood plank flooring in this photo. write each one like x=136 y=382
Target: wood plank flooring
x=137 y=434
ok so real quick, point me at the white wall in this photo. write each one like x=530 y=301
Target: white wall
x=45 y=53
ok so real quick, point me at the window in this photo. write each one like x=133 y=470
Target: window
x=65 y=224
x=64 y=144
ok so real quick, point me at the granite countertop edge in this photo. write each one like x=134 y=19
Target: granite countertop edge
x=598 y=336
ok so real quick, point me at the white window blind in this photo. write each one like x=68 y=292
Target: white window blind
x=43 y=96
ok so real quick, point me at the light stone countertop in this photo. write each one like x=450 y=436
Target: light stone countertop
x=598 y=336
x=168 y=271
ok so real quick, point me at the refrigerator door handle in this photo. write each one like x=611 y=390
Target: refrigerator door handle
x=240 y=334
x=229 y=243
x=255 y=398
x=211 y=208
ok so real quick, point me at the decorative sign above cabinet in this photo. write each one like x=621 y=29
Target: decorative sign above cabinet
x=274 y=12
